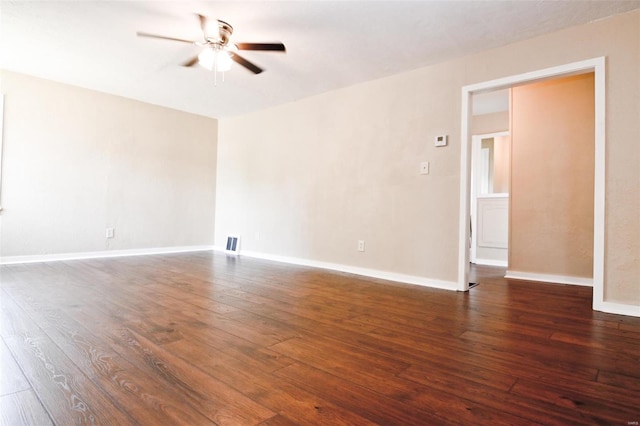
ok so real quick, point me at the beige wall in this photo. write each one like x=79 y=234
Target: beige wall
x=78 y=161
x=499 y=149
x=501 y=164
x=313 y=177
x=310 y=178
x=494 y=122
x=552 y=177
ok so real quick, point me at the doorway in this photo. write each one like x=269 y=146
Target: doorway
x=490 y=170
x=597 y=66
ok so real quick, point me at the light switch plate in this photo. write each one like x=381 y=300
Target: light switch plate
x=424 y=168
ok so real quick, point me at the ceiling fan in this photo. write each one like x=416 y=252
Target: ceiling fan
x=217 y=49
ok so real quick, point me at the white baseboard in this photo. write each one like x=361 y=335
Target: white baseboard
x=546 y=278
x=8 y=260
x=617 y=308
x=372 y=273
x=608 y=307
x=491 y=262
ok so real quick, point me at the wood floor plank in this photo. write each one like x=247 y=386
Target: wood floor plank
x=568 y=356
x=629 y=326
x=67 y=394
x=12 y=379
x=319 y=350
x=148 y=402
x=216 y=400
x=500 y=401
x=23 y=409
x=620 y=381
x=402 y=387
x=616 y=344
x=140 y=396
x=279 y=420
x=91 y=354
x=205 y=338
x=360 y=400
x=627 y=400
x=417 y=349
x=169 y=293
x=597 y=410
x=218 y=346
x=297 y=403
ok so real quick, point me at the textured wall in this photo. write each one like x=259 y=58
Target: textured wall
x=314 y=177
x=310 y=178
x=489 y=123
x=552 y=177
x=78 y=161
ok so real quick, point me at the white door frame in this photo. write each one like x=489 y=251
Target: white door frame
x=597 y=66
x=476 y=141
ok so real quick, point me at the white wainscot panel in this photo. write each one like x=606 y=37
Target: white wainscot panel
x=493 y=222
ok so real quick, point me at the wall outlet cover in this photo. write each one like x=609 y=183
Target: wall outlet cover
x=424 y=168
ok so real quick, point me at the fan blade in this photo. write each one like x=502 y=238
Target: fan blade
x=245 y=63
x=203 y=22
x=275 y=47
x=191 y=62
x=139 y=34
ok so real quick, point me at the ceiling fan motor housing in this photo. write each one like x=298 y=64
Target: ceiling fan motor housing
x=224 y=33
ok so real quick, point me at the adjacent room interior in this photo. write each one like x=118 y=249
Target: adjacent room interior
x=272 y=213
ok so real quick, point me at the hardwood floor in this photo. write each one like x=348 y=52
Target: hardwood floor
x=195 y=339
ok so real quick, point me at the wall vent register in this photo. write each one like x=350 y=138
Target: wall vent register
x=233 y=244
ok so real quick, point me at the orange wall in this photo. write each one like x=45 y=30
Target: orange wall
x=551 y=224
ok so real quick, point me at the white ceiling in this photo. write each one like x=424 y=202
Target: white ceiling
x=330 y=44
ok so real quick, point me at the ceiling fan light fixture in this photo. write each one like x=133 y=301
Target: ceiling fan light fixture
x=223 y=61
x=207 y=58
x=213 y=59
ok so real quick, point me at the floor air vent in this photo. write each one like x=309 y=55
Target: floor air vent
x=233 y=244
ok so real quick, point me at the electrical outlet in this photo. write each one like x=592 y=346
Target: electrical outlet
x=110 y=232
x=360 y=245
